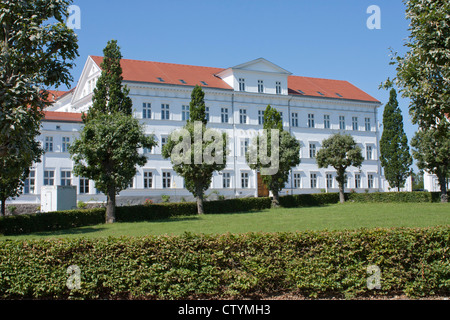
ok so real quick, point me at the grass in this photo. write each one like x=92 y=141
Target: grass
x=331 y=217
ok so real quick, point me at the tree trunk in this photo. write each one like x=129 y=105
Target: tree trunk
x=443 y=185
x=200 y=204
x=199 y=192
x=111 y=206
x=276 y=199
x=341 y=193
x=3 y=207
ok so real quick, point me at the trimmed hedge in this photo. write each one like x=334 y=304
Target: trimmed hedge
x=414 y=262
x=306 y=200
x=416 y=196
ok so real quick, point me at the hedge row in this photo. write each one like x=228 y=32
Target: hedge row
x=416 y=196
x=414 y=262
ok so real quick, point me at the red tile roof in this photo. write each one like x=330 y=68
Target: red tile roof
x=62 y=116
x=149 y=71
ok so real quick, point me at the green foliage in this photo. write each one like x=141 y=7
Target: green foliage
x=431 y=149
x=165 y=198
x=417 y=196
x=423 y=73
x=286 y=153
x=107 y=149
x=195 y=151
x=414 y=262
x=394 y=149
x=307 y=200
x=37 y=51
x=340 y=152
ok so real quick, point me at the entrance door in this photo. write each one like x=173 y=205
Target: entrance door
x=262 y=189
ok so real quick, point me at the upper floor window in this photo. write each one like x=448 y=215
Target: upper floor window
x=48 y=144
x=224 y=115
x=367 y=124
x=165 y=113
x=355 y=123
x=278 y=87
x=241 y=84
x=65 y=144
x=326 y=121
x=312 y=150
x=185 y=113
x=146 y=110
x=295 y=119
x=342 y=122
x=260 y=86
x=260 y=116
x=242 y=116
x=368 y=152
x=310 y=120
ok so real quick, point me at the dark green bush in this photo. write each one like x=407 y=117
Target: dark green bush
x=416 y=196
x=51 y=221
x=306 y=200
x=412 y=261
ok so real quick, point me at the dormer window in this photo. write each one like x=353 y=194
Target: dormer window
x=300 y=91
x=203 y=83
x=339 y=95
x=161 y=79
x=241 y=84
x=320 y=93
x=260 y=86
x=182 y=81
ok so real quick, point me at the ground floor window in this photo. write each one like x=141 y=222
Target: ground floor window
x=166 y=179
x=84 y=186
x=148 y=179
x=244 y=180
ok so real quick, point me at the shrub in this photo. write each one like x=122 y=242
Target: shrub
x=306 y=200
x=416 y=196
x=414 y=262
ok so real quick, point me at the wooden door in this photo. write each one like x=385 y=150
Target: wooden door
x=262 y=189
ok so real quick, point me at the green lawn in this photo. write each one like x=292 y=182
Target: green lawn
x=331 y=217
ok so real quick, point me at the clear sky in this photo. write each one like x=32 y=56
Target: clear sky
x=314 y=38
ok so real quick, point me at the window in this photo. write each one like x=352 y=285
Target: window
x=295 y=119
x=65 y=144
x=147 y=150
x=207 y=113
x=370 y=181
x=226 y=180
x=182 y=81
x=49 y=178
x=146 y=110
x=368 y=152
x=163 y=142
x=244 y=146
x=66 y=178
x=161 y=79
x=281 y=117
x=355 y=123
x=242 y=116
x=48 y=144
x=244 y=180
x=260 y=117
x=342 y=122
x=310 y=120
x=224 y=115
x=326 y=121
x=165 y=114
x=312 y=150
x=148 y=180
x=84 y=186
x=297 y=180
x=278 y=87
x=241 y=84
x=367 y=124
x=345 y=181
x=313 y=180
x=321 y=93
x=185 y=113
x=357 y=181
x=329 y=180
x=203 y=83
x=166 y=177
x=30 y=183
x=260 y=86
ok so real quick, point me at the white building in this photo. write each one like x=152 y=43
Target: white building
x=312 y=110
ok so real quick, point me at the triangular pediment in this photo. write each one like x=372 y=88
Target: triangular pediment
x=261 y=65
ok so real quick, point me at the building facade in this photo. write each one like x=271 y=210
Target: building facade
x=312 y=109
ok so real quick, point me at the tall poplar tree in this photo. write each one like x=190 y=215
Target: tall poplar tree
x=107 y=150
x=395 y=156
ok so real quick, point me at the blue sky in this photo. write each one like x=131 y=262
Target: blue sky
x=320 y=38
